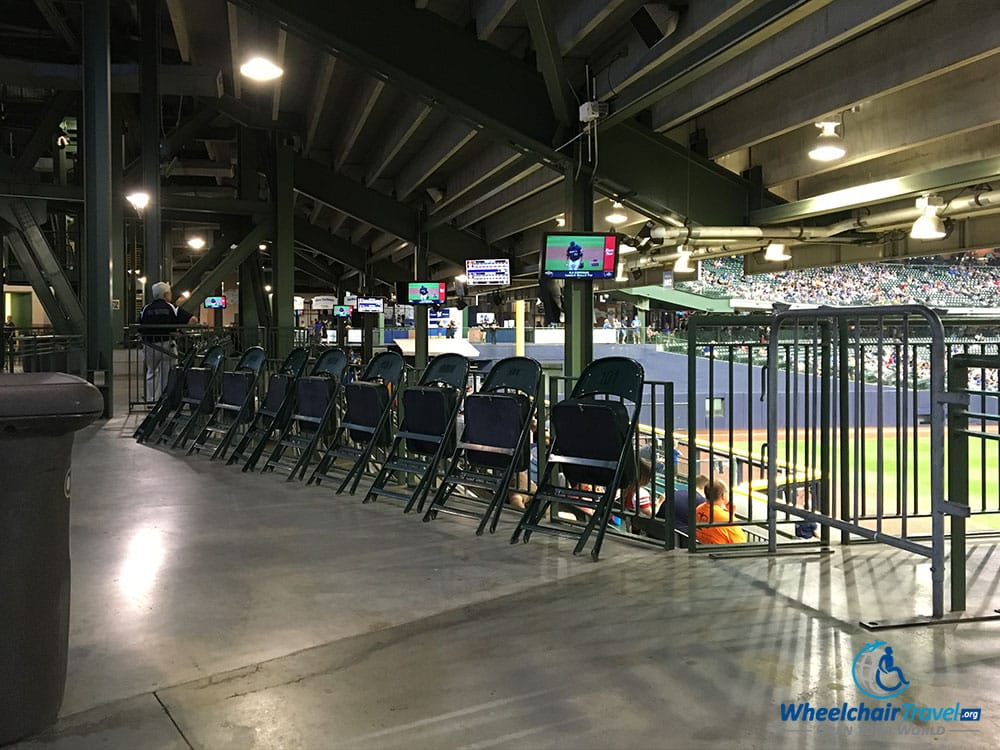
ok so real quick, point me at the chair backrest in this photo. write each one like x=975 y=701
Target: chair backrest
x=387 y=367
x=611 y=376
x=295 y=362
x=213 y=357
x=518 y=374
x=252 y=360
x=331 y=362
x=447 y=369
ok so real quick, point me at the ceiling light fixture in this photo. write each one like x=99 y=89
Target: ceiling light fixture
x=262 y=246
x=138 y=199
x=261 y=69
x=185 y=294
x=461 y=278
x=929 y=225
x=617 y=215
x=831 y=145
x=560 y=221
x=683 y=262
x=777 y=253
x=267 y=288
x=196 y=243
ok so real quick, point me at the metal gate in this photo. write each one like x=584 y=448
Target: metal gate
x=857 y=396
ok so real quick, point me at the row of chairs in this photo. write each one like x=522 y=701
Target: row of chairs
x=326 y=427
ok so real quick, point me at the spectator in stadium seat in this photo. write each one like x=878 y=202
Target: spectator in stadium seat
x=681 y=497
x=715 y=509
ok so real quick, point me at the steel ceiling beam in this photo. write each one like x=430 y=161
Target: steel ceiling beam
x=549 y=59
x=57 y=23
x=314 y=269
x=356 y=117
x=948 y=35
x=279 y=60
x=36 y=279
x=201 y=204
x=517 y=173
x=342 y=251
x=355 y=200
x=583 y=20
x=818 y=33
x=248 y=116
x=441 y=147
x=318 y=100
x=396 y=138
x=749 y=31
x=428 y=56
x=698 y=22
x=948 y=178
x=546 y=206
x=175 y=80
x=487 y=165
x=45 y=132
x=515 y=191
x=489 y=14
x=208 y=283
x=898 y=121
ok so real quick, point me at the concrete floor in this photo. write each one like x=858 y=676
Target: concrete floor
x=214 y=609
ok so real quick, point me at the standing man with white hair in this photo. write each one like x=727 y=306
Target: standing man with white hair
x=155 y=326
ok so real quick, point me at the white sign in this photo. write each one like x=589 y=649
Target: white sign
x=298 y=303
x=488 y=272
x=324 y=302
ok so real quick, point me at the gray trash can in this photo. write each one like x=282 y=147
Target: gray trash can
x=39 y=413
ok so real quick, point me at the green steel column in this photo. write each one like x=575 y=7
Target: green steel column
x=119 y=290
x=420 y=311
x=149 y=115
x=578 y=294
x=97 y=196
x=283 y=260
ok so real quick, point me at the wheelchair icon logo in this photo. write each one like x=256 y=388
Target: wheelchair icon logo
x=876 y=673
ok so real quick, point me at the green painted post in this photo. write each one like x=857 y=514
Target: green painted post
x=578 y=294
x=958 y=479
x=283 y=260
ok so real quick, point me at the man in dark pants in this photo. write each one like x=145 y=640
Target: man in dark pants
x=7 y=353
x=157 y=321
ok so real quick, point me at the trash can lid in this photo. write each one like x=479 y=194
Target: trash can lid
x=47 y=394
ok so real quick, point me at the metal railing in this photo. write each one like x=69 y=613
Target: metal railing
x=38 y=349
x=973 y=438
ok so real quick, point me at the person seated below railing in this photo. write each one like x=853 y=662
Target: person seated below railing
x=714 y=509
x=681 y=500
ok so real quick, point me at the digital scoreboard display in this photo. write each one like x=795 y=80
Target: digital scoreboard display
x=494 y=272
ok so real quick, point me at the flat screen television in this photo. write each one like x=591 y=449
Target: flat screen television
x=488 y=272
x=425 y=292
x=342 y=311
x=370 y=304
x=215 y=303
x=580 y=255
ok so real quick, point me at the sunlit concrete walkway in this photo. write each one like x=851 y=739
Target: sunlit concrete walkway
x=214 y=609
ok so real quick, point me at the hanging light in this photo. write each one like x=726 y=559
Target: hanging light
x=262 y=246
x=831 y=145
x=196 y=243
x=267 y=288
x=929 y=225
x=462 y=278
x=138 y=199
x=683 y=262
x=261 y=69
x=185 y=294
x=777 y=253
x=560 y=221
x=617 y=215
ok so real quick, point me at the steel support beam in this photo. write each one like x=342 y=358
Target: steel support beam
x=949 y=34
x=318 y=101
x=119 y=289
x=545 y=207
x=250 y=117
x=149 y=111
x=502 y=196
x=665 y=179
x=283 y=250
x=908 y=118
x=67 y=193
x=57 y=316
x=428 y=56
x=179 y=22
x=948 y=178
x=549 y=59
x=41 y=140
x=396 y=139
x=175 y=80
x=420 y=312
x=279 y=60
x=367 y=96
x=210 y=281
x=582 y=21
x=496 y=158
x=489 y=14
x=578 y=350
x=214 y=205
x=342 y=251
x=751 y=30
x=314 y=269
x=364 y=204
x=57 y=23
x=435 y=153
x=97 y=191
